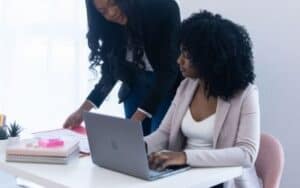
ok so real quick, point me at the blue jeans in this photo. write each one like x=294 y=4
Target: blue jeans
x=138 y=91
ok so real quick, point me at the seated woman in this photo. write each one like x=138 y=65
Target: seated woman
x=214 y=119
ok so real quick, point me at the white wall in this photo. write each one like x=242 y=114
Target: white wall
x=275 y=28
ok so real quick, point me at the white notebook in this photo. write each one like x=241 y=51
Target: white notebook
x=42 y=159
x=30 y=147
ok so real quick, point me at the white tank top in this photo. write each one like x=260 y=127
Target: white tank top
x=199 y=133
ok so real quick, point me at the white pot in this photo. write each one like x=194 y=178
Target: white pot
x=13 y=140
x=3 y=144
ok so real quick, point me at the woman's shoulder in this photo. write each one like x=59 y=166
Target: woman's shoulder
x=184 y=88
x=250 y=89
x=249 y=93
x=186 y=85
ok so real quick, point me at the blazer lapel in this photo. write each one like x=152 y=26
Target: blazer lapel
x=221 y=113
x=184 y=105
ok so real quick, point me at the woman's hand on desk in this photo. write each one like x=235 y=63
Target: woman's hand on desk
x=163 y=159
x=75 y=119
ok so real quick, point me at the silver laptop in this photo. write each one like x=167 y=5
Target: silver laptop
x=118 y=144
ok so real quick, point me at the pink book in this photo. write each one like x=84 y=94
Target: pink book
x=78 y=133
x=80 y=129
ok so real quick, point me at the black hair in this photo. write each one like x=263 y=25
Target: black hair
x=221 y=52
x=108 y=41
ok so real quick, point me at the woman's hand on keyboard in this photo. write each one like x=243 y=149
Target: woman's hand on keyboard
x=161 y=160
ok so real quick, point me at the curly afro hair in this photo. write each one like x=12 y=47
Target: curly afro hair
x=221 y=52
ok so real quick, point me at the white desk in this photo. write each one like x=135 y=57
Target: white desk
x=82 y=172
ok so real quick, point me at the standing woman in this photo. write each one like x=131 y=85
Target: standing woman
x=136 y=42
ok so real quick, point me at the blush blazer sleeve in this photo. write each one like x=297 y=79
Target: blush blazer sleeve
x=159 y=139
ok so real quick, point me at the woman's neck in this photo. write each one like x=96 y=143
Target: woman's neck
x=202 y=90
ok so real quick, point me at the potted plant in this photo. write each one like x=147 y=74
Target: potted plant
x=14 y=131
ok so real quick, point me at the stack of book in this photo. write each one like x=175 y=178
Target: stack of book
x=53 y=151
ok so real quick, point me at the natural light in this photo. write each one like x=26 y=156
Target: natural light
x=44 y=73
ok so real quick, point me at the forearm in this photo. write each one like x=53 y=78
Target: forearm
x=86 y=106
x=101 y=90
x=156 y=141
x=218 y=157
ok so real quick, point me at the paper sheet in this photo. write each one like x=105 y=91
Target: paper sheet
x=67 y=134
